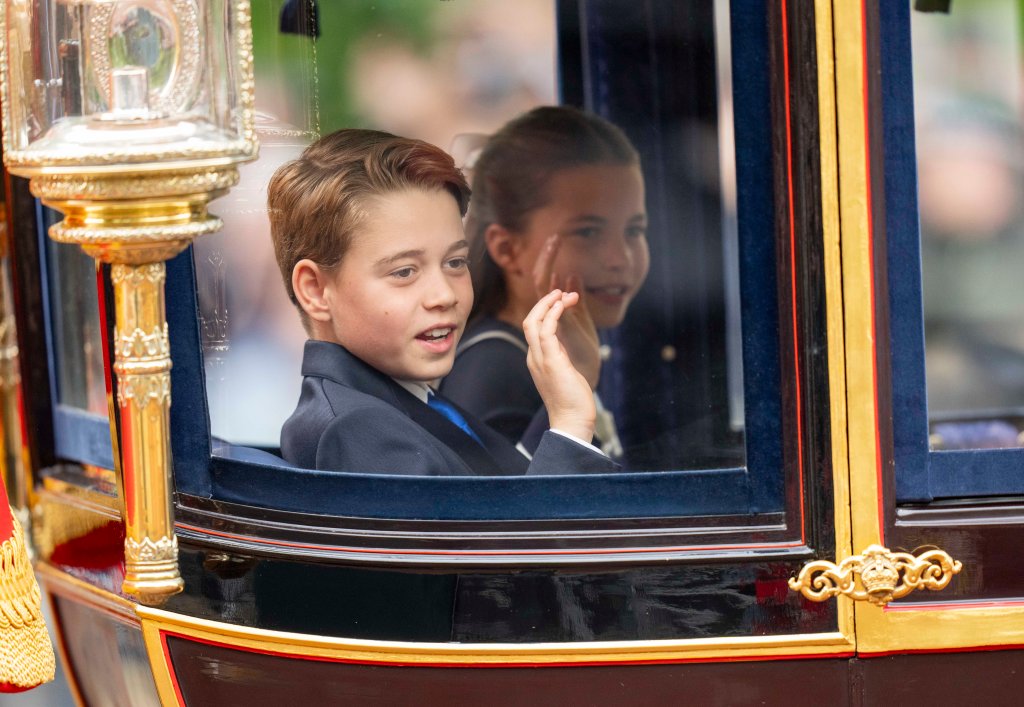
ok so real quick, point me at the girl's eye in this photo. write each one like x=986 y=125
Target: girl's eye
x=586 y=232
x=402 y=273
x=459 y=263
x=636 y=231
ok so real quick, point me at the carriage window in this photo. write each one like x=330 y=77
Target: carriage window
x=969 y=110
x=453 y=73
x=952 y=205
x=81 y=425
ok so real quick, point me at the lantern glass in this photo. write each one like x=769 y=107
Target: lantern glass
x=100 y=82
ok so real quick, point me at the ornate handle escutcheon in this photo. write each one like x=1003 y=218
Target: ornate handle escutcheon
x=878 y=575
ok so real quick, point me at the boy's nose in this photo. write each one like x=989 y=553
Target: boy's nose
x=441 y=294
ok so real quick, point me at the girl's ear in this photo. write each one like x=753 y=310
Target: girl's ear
x=504 y=248
x=309 y=281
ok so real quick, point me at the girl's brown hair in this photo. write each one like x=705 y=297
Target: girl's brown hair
x=512 y=175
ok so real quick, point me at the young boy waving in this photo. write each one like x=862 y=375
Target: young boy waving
x=367 y=230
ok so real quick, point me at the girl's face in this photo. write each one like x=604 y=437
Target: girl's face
x=598 y=212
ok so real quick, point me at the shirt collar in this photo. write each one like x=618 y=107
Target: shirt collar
x=419 y=389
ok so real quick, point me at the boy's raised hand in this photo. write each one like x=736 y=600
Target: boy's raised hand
x=567 y=394
x=577 y=331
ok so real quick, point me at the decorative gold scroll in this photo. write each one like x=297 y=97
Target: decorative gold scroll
x=878 y=575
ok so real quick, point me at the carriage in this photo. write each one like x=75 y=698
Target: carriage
x=818 y=389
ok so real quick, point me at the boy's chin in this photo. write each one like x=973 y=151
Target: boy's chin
x=432 y=373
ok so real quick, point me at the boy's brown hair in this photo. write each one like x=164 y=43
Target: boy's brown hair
x=318 y=200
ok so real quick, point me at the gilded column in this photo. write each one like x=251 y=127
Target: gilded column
x=142 y=363
x=136 y=223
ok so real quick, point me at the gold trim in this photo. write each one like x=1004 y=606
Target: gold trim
x=884 y=575
x=857 y=274
x=908 y=626
x=833 y=266
x=397 y=652
x=27 y=163
x=71 y=187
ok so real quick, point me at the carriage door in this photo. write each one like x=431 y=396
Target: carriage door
x=929 y=113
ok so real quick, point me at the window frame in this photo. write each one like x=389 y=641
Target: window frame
x=785 y=146
x=922 y=474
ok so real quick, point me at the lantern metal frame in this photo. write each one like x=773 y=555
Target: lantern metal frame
x=134 y=208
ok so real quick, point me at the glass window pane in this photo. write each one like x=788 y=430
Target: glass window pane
x=77 y=343
x=968 y=112
x=454 y=73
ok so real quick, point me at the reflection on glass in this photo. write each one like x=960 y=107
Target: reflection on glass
x=77 y=346
x=968 y=106
x=453 y=73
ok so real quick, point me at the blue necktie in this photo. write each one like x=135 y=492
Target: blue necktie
x=454 y=416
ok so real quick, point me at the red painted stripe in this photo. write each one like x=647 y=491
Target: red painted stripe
x=792 y=261
x=560 y=664
x=483 y=553
x=973 y=649
x=170 y=667
x=946 y=605
x=6 y=519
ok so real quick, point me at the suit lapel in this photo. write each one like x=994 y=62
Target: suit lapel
x=333 y=362
x=478 y=458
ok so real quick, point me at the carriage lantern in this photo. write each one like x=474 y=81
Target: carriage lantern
x=129 y=116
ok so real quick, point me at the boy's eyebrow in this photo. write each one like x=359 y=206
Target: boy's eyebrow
x=415 y=253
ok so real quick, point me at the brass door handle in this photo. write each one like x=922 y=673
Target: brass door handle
x=878 y=575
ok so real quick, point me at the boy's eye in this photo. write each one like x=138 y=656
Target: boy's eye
x=586 y=232
x=636 y=231
x=402 y=273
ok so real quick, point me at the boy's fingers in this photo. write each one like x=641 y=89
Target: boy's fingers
x=550 y=347
x=533 y=323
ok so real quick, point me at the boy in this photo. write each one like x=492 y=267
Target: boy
x=367 y=230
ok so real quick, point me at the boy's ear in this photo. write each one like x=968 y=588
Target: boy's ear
x=309 y=281
x=504 y=248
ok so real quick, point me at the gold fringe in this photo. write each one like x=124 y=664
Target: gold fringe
x=26 y=654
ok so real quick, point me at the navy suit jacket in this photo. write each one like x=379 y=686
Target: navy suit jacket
x=351 y=417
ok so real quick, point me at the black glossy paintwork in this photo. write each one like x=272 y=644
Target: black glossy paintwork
x=640 y=603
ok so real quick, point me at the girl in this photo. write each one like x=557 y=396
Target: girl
x=558 y=201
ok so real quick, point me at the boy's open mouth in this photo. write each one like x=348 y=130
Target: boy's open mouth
x=437 y=334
